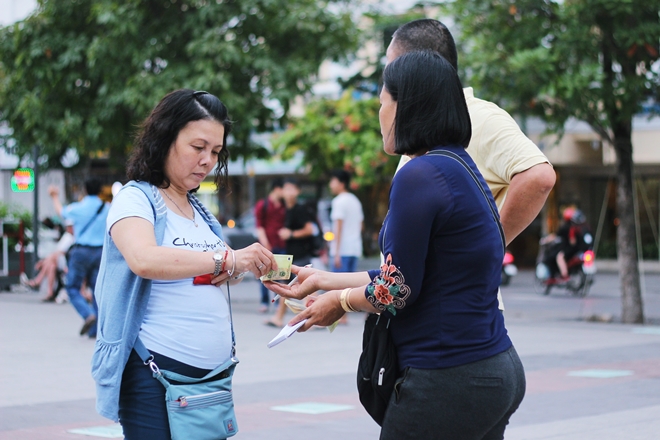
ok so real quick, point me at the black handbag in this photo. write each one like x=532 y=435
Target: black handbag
x=378 y=367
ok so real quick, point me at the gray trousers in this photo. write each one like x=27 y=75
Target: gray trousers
x=468 y=402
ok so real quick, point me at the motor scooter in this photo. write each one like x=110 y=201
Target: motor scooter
x=509 y=269
x=581 y=271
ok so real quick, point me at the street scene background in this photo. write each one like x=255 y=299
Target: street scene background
x=581 y=79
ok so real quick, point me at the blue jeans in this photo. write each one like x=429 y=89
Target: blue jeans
x=348 y=264
x=84 y=262
x=265 y=295
x=142 y=411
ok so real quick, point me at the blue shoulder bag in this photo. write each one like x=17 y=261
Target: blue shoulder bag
x=200 y=409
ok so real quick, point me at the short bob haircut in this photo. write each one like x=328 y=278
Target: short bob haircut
x=431 y=109
x=161 y=128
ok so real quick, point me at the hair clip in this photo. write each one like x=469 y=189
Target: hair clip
x=199 y=93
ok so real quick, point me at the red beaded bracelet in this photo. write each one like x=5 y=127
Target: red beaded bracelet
x=224 y=261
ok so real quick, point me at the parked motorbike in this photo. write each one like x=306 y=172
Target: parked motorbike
x=581 y=271
x=509 y=269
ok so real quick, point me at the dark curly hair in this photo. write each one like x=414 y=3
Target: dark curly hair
x=159 y=131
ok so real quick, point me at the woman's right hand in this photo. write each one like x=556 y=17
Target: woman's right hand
x=254 y=258
x=322 y=311
x=307 y=283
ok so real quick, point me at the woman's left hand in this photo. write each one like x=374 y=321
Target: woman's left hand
x=323 y=311
x=220 y=279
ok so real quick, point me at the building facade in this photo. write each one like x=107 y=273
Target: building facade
x=585 y=167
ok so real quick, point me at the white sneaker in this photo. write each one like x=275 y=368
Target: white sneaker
x=62 y=297
x=24 y=280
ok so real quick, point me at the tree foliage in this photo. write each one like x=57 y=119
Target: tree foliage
x=340 y=133
x=590 y=59
x=595 y=60
x=83 y=74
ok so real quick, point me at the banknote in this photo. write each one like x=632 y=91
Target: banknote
x=283 y=271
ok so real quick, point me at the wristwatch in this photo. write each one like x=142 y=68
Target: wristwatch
x=219 y=258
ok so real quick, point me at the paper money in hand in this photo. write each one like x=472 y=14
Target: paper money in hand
x=297 y=306
x=283 y=271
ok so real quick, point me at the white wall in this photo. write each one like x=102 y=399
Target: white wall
x=14 y=10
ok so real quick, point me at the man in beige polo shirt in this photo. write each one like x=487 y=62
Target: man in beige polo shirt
x=516 y=171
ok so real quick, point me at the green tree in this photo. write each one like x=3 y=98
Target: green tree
x=83 y=74
x=595 y=60
x=345 y=133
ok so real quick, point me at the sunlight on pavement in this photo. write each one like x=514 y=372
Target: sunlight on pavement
x=312 y=408
x=109 y=431
x=647 y=330
x=601 y=374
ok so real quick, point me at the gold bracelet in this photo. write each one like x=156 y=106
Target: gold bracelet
x=348 y=302
x=343 y=300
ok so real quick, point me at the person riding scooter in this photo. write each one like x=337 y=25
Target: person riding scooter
x=572 y=237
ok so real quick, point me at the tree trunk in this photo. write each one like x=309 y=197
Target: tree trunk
x=631 y=297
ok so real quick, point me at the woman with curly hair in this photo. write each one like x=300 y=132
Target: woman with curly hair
x=159 y=237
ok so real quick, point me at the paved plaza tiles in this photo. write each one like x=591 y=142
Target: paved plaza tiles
x=585 y=380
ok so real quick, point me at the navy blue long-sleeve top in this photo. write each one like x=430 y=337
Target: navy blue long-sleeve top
x=443 y=265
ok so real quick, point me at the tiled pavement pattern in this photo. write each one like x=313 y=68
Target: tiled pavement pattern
x=584 y=380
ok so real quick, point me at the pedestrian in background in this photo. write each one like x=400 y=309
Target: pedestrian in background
x=269 y=214
x=347 y=219
x=297 y=234
x=52 y=266
x=88 y=217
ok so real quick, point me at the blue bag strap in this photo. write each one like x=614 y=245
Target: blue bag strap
x=493 y=211
x=84 y=228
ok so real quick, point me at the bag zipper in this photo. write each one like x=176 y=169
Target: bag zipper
x=183 y=400
x=380 y=376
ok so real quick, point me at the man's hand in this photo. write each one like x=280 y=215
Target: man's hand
x=285 y=233
x=53 y=191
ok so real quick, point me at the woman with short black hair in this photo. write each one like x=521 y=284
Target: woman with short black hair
x=430 y=105
x=164 y=260
x=460 y=377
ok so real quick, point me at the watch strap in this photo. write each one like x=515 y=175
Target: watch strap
x=219 y=262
